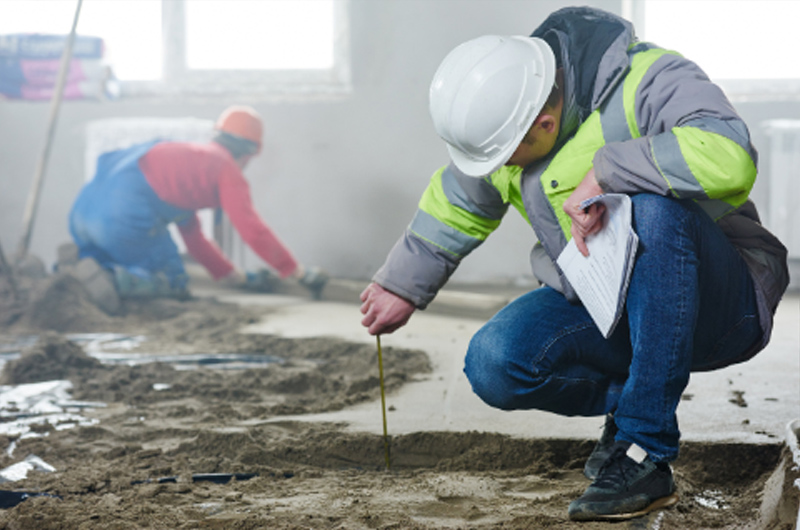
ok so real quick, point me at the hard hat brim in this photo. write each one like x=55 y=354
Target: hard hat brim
x=473 y=168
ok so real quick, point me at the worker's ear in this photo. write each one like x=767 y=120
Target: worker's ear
x=546 y=122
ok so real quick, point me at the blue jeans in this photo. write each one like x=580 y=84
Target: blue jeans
x=119 y=220
x=691 y=306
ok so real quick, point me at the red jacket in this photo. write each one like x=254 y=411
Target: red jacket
x=195 y=176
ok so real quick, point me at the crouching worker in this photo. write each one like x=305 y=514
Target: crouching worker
x=120 y=217
x=542 y=123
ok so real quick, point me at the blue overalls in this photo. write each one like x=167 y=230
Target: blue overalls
x=119 y=220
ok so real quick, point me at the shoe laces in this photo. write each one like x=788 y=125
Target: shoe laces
x=616 y=470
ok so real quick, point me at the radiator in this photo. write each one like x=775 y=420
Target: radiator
x=782 y=215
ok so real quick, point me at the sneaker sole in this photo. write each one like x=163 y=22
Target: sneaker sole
x=663 y=502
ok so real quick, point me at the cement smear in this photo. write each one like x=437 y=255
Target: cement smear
x=163 y=426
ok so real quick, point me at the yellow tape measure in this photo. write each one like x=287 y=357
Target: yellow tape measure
x=383 y=403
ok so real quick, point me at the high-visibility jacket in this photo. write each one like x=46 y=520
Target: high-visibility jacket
x=647 y=120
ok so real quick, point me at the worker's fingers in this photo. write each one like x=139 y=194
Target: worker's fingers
x=365 y=306
x=385 y=330
x=380 y=322
x=384 y=311
x=376 y=325
x=585 y=223
x=366 y=292
x=372 y=313
x=596 y=216
x=588 y=220
x=367 y=297
x=379 y=327
x=369 y=323
x=580 y=242
x=579 y=234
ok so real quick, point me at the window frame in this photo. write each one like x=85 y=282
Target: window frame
x=179 y=81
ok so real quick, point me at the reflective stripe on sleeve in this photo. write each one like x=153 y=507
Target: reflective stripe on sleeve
x=436 y=204
x=472 y=194
x=673 y=167
x=724 y=169
x=442 y=236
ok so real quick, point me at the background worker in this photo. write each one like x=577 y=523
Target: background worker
x=542 y=123
x=120 y=217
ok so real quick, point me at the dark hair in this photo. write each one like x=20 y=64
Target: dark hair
x=236 y=146
x=555 y=92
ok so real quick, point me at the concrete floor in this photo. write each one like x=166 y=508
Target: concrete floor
x=751 y=403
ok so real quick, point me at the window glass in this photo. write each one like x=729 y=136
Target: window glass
x=258 y=34
x=732 y=39
x=130 y=29
x=172 y=48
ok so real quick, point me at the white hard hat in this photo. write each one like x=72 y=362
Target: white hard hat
x=486 y=94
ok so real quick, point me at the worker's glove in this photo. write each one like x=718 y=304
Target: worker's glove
x=262 y=281
x=314 y=280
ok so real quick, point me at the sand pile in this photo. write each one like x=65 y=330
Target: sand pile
x=208 y=448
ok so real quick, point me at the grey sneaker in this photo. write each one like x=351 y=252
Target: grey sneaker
x=629 y=485
x=602 y=450
x=99 y=284
x=314 y=280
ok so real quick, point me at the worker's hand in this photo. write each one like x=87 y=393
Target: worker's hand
x=261 y=281
x=588 y=221
x=384 y=311
x=236 y=278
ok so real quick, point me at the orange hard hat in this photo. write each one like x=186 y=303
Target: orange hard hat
x=243 y=122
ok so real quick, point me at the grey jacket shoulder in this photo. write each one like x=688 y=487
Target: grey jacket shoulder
x=591 y=45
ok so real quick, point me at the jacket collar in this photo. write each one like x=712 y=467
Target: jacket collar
x=591 y=45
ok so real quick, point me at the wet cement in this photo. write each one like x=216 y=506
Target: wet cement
x=166 y=431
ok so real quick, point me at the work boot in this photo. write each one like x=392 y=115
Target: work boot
x=629 y=485
x=315 y=280
x=67 y=255
x=602 y=450
x=99 y=283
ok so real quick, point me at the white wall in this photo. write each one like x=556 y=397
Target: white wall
x=339 y=179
